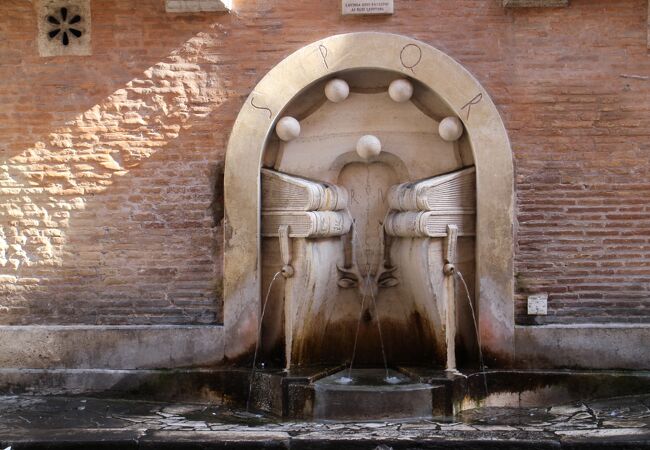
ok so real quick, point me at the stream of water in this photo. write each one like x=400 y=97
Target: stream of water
x=478 y=336
x=348 y=379
x=388 y=379
x=367 y=288
x=257 y=342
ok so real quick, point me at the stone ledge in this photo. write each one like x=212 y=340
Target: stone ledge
x=584 y=346
x=193 y=6
x=535 y=3
x=190 y=385
x=110 y=347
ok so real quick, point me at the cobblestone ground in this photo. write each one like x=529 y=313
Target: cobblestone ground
x=25 y=420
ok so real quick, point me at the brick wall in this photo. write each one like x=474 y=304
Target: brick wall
x=579 y=128
x=110 y=205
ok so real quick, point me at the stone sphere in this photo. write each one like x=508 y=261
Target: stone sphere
x=288 y=128
x=337 y=90
x=368 y=146
x=450 y=129
x=400 y=90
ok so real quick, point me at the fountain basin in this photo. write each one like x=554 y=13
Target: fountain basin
x=370 y=397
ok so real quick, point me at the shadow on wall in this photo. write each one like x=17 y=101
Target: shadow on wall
x=50 y=184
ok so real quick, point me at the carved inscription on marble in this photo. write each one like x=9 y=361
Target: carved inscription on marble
x=323 y=54
x=350 y=7
x=256 y=105
x=410 y=56
x=475 y=101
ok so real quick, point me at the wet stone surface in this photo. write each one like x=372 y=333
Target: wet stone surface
x=28 y=420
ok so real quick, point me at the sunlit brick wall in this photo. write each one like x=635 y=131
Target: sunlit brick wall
x=110 y=201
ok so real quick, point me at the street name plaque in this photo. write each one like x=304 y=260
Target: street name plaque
x=362 y=7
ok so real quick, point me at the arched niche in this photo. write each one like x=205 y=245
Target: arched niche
x=462 y=94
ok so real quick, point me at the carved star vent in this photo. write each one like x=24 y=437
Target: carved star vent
x=64 y=26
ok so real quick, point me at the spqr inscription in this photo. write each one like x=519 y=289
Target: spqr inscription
x=262 y=108
x=410 y=56
x=323 y=53
x=475 y=101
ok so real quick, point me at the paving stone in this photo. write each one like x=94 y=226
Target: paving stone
x=57 y=422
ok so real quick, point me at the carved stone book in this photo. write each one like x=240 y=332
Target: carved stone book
x=454 y=191
x=429 y=223
x=306 y=224
x=282 y=192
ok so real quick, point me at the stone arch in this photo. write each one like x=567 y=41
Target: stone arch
x=492 y=156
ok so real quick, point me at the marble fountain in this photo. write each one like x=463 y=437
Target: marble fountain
x=368 y=234
x=368 y=225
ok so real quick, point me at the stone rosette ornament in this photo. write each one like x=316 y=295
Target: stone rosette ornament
x=63 y=27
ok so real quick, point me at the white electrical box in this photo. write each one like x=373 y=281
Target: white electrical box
x=537 y=304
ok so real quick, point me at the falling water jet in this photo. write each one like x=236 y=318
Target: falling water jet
x=349 y=379
x=388 y=379
x=478 y=336
x=257 y=342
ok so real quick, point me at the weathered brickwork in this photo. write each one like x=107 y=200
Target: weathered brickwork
x=109 y=170
x=580 y=129
x=110 y=204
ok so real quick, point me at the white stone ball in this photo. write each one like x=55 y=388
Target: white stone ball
x=450 y=129
x=368 y=146
x=288 y=128
x=337 y=90
x=400 y=90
